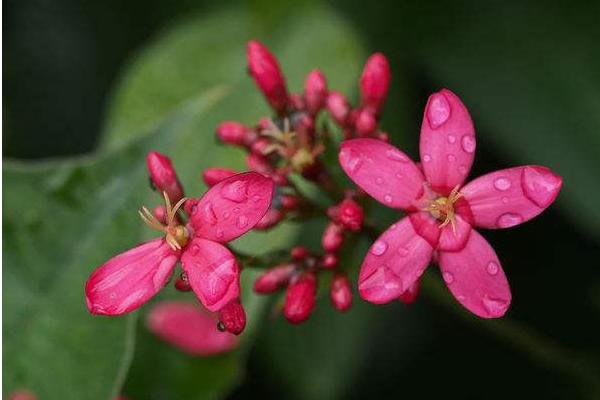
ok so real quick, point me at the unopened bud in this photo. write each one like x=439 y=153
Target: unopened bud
x=350 y=215
x=375 y=82
x=160 y=212
x=163 y=175
x=299 y=253
x=338 y=107
x=232 y=132
x=410 y=294
x=265 y=70
x=300 y=298
x=233 y=317
x=332 y=238
x=365 y=123
x=289 y=202
x=340 y=292
x=329 y=261
x=274 y=279
x=315 y=91
x=212 y=176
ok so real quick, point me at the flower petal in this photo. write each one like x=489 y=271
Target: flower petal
x=454 y=237
x=130 y=279
x=383 y=171
x=189 y=327
x=212 y=271
x=475 y=278
x=508 y=197
x=232 y=207
x=447 y=144
x=394 y=262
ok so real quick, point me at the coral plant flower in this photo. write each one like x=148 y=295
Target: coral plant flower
x=226 y=211
x=442 y=211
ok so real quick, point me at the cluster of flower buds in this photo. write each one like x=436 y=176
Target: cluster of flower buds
x=299 y=277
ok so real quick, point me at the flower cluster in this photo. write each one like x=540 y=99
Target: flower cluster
x=441 y=211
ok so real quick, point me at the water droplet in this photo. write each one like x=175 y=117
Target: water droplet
x=448 y=277
x=195 y=250
x=394 y=226
x=388 y=198
x=220 y=233
x=451 y=157
x=462 y=169
x=379 y=180
x=352 y=161
x=509 y=219
x=438 y=110
x=242 y=221
x=502 y=184
x=399 y=176
x=492 y=268
x=505 y=200
x=495 y=307
x=379 y=247
x=468 y=143
x=209 y=214
x=426 y=158
x=226 y=215
x=396 y=155
x=235 y=191
x=451 y=139
x=236 y=210
x=402 y=251
x=256 y=198
x=540 y=185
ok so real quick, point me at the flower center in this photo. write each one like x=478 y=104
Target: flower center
x=176 y=234
x=442 y=208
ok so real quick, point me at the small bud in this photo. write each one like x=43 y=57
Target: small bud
x=299 y=253
x=375 y=82
x=265 y=71
x=340 y=292
x=182 y=283
x=233 y=317
x=163 y=175
x=258 y=146
x=332 y=238
x=274 y=278
x=350 y=215
x=329 y=261
x=383 y=136
x=300 y=298
x=296 y=102
x=160 y=212
x=289 y=202
x=338 y=107
x=271 y=218
x=259 y=163
x=315 y=91
x=232 y=132
x=410 y=295
x=212 y=176
x=365 y=123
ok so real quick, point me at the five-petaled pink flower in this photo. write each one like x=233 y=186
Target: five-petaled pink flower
x=226 y=211
x=441 y=211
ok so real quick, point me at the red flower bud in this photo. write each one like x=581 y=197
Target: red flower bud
x=233 y=317
x=274 y=279
x=329 y=261
x=212 y=176
x=315 y=91
x=350 y=215
x=375 y=82
x=163 y=175
x=265 y=70
x=271 y=218
x=340 y=292
x=338 y=107
x=365 y=123
x=182 y=283
x=299 y=253
x=232 y=132
x=296 y=102
x=259 y=163
x=383 y=136
x=332 y=238
x=289 y=202
x=410 y=295
x=259 y=146
x=160 y=212
x=300 y=298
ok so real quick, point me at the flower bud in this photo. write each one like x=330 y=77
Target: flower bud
x=22 y=395
x=212 y=176
x=410 y=295
x=365 y=123
x=332 y=238
x=340 y=292
x=350 y=215
x=182 y=283
x=289 y=202
x=233 y=317
x=383 y=136
x=274 y=278
x=300 y=298
x=299 y=253
x=271 y=218
x=259 y=146
x=338 y=107
x=265 y=71
x=329 y=261
x=315 y=91
x=160 y=212
x=296 y=102
x=163 y=175
x=232 y=132
x=374 y=83
x=259 y=163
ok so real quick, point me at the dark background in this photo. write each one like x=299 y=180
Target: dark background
x=61 y=59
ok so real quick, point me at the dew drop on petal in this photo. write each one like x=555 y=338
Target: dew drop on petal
x=379 y=180
x=540 y=185
x=451 y=157
x=236 y=210
x=509 y=219
x=426 y=158
x=256 y=198
x=209 y=214
x=352 y=161
x=502 y=184
x=451 y=139
x=468 y=143
x=492 y=268
x=448 y=277
x=438 y=110
x=388 y=198
x=220 y=233
x=399 y=176
x=379 y=247
x=242 y=221
x=402 y=251
x=462 y=169
x=235 y=191
x=226 y=215
x=494 y=306
x=394 y=226
x=395 y=155
x=505 y=200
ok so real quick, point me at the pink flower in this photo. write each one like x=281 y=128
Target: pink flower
x=226 y=211
x=442 y=211
x=189 y=327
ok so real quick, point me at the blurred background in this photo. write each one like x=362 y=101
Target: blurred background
x=90 y=86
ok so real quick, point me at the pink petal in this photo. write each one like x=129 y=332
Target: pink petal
x=394 y=262
x=447 y=141
x=454 y=237
x=212 y=272
x=383 y=171
x=410 y=295
x=189 y=327
x=511 y=196
x=232 y=207
x=475 y=278
x=130 y=279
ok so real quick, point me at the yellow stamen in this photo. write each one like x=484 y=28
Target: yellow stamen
x=176 y=235
x=442 y=208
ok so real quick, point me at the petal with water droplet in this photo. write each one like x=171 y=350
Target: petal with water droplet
x=374 y=166
x=447 y=145
x=247 y=195
x=481 y=289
